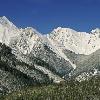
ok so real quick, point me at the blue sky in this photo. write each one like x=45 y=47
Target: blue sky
x=45 y=15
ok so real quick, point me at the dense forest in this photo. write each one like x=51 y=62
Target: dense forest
x=69 y=90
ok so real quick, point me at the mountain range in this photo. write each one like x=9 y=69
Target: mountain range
x=28 y=57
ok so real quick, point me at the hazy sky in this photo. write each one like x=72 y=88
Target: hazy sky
x=45 y=15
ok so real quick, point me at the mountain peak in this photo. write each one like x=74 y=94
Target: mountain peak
x=78 y=42
x=7 y=30
x=5 y=21
x=63 y=30
x=97 y=30
x=4 y=17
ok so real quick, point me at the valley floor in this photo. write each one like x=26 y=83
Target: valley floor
x=70 y=90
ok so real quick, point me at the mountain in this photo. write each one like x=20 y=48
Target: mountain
x=31 y=47
x=87 y=65
x=15 y=74
x=81 y=48
x=78 y=42
x=29 y=57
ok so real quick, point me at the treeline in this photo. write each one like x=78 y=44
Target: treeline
x=70 y=90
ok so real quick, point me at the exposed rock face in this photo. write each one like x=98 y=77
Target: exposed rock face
x=15 y=74
x=78 y=42
x=7 y=30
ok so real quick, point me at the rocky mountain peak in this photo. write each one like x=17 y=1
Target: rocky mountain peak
x=96 y=32
x=5 y=22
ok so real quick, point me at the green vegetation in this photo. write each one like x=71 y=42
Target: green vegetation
x=70 y=90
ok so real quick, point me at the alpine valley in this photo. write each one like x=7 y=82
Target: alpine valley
x=29 y=58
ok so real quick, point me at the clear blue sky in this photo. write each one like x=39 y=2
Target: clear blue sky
x=45 y=15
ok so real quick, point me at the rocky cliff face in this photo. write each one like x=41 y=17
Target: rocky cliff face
x=78 y=42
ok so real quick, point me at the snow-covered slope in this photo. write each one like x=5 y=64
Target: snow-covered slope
x=7 y=30
x=32 y=48
x=78 y=42
x=25 y=41
x=58 y=49
x=60 y=38
x=51 y=49
x=9 y=34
